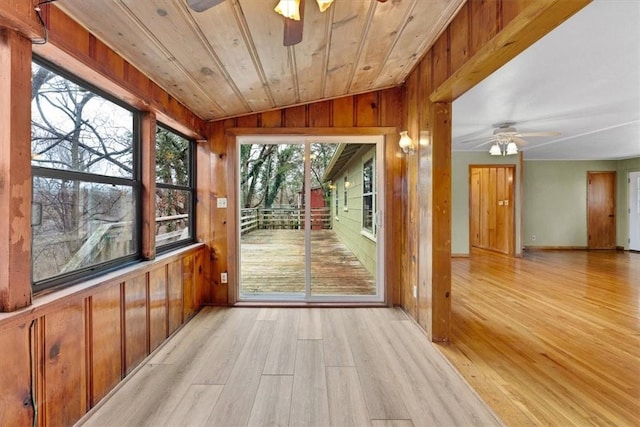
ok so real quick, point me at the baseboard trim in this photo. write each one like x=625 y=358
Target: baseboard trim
x=555 y=248
x=460 y=255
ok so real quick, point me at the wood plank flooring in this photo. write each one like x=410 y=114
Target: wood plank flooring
x=295 y=367
x=273 y=261
x=550 y=339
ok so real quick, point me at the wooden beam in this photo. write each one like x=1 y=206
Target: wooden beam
x=441 y=220
x=536 y=20
x=20 y=16
x=15 y=170
x=148 y=154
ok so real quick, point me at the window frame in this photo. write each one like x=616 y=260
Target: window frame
x=346 y=184
x=370 y=233
x=191 y=188
x=134 y=182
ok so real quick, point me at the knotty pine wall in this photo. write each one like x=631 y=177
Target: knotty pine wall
x=374 y=113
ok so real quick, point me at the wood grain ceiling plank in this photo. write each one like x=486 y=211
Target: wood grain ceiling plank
x=386 y=23
x=266 y=29
x=413 y=40
x=121 y=34
x=311 y=53
x=227 y=34
x=347 y=32
x=164 y=22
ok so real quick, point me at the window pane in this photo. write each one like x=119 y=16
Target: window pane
x=82 y=224
x=73 y=128
x=172 y=215
x=172 y=158
x=367 y=212
x=367 y=177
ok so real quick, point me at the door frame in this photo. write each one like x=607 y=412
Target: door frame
x=382 y=289
x=512 y=228
x=631 y=207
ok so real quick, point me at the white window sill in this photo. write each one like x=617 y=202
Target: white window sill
x=368 y=235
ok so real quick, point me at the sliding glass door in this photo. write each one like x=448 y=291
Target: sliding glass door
x=309 y=220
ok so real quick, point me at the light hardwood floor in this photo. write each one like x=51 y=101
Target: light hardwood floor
x=296 y=367
x=551 y=339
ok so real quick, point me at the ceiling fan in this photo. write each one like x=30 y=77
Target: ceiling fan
x=291 y=10
x=506 y=139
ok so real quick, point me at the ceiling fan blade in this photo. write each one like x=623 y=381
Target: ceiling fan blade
x=526 y=134
x=488 y=141
x=202 y=5
x=293 y=29
x=519 y=141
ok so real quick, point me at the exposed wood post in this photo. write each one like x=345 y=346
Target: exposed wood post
x=148 y=154
x=15 y=171
x=441 y=230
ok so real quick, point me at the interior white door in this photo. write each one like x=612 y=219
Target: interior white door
x=634 y=211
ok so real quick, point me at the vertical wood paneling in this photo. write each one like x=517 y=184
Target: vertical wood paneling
x=485 y=22
x=459 y=38
x=15 y=404
x=271 y=119
x=411 y=273
x=424 y=195
x=343 y=112
x=367 y=109
x=174 y=286
x=135 y=320
x=198 y=277
x=394 y=207
x=440 y=59
x=250 y=121
x=203 y=209
x=295 y=116
x=320 y=114
x=492 y=206
x=219 y=185
x=157 y=307
x=106 y=348
x=65 y=397
x=15 y=171
x=189 y=296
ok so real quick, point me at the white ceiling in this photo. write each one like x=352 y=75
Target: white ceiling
x=582 y=79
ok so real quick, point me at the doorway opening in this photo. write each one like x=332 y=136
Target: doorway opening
x=309 y=219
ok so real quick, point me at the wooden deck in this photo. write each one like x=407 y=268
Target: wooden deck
x=273 y=261
x=551 y=339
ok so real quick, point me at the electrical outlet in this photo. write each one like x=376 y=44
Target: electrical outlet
x=221 y=202
x=415 y=292
x=223 y=277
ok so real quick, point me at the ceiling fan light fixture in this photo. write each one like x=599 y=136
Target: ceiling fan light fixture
x=495 y=150
x=324 y=4
x=512 y=148
x=289 y=9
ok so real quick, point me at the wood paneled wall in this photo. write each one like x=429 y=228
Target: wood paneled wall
x=79 y=346
x=482 y=37
x=371 y=113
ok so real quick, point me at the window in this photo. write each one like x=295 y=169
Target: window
x=346 y=193
x=85 y=179
x=174 y=189
x=368 y=196
x=336 y=196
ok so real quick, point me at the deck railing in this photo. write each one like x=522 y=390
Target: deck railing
x=283 y=219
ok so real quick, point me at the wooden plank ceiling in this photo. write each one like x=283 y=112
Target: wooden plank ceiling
x=230 y=60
